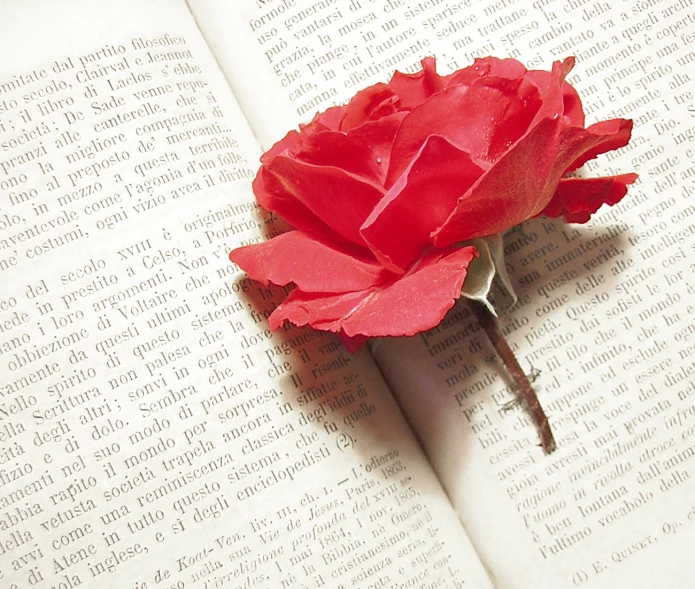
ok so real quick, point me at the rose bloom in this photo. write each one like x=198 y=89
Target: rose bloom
x=382 y=191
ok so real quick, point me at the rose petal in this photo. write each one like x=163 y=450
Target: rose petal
x=511 y=68
x=271 y=195
x=269 y=192
x=400 y=226
x=487 y=66
x=364 y=151
x=551 y=88
x=572 y=105
x=340 y=199
x=290 y=142
x=464 y=77
x=523 y=181
x=379 y=135
x=329 y=119
x=502 y=68
x=319 y=310
x=368 y=104
x=414 y=89
x=576 y=199
x=517 y=187
x=293 y=257
x=414 y=303
x=352 y=344
x=608 y=135
x=484 y=120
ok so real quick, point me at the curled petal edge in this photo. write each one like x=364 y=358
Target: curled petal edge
x=576 y=199
x=413 y=303
x=294 y=257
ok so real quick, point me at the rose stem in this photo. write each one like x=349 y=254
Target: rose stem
x=492 y=327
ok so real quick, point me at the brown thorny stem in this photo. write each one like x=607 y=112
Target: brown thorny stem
x=492 y=327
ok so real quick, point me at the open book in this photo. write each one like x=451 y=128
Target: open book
x=155 y=433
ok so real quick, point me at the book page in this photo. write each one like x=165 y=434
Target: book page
x=604 y=313
x=288 y=59
x=153 y=431
x=605 y=320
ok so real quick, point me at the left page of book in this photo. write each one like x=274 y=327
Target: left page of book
x=153 y=432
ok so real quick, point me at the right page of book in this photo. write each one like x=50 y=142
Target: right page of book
x=605 y=311
x=605 y=321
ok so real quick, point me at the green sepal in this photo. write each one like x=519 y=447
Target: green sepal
x=483 y=269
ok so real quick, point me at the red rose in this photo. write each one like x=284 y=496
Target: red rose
x=382 y=191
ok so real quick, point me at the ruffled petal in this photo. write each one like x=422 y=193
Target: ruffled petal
x=288 y=144
x=352 y=344
x=522 y=183
x=414 y=89
x=511 y=68
x=485 y=120
x=271 y=195
x=517 y=187
x=411 y=304
x=369 y=104
x=500 y=67
x=605 y=136
x=328 y=119
x=313 y=266
x=340 y=199
x=487 y=66
x=399 y=228
x=572 y=105
x=576 y=199
x=319 y=310
x=551 y=87
x=364 y=151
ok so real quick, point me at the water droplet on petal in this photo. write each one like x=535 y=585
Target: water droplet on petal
x=378 y=159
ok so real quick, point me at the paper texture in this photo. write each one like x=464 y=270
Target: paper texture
x=153 y=431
